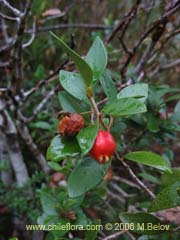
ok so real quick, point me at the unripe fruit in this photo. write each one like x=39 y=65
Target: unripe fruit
x=70 y=124
x=104 y=147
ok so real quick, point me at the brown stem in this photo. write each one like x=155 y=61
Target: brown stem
x=97 y=112
x=26 y=136
x=135 y=178
x=110 y=123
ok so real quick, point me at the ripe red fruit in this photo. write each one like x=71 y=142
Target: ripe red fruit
x=104 y=147
x=70 y=124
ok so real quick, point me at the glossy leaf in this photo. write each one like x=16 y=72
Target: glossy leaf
x=86 y=138
x=85 y=176
x=48 y=203
x=82 y=65
x=141 y=222
x=55 y=166
x=73 y=84
x=71 y=104
x=170 y=178
x=97 y=58
x=149 y=159
x=81 y=217
x=138 y=90
x=167 y=198
x=108 y=86
x=124 y=107
x=61 y=148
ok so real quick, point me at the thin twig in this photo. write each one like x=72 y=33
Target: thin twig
x=26 y=136
x=170 y=35
x=141 y=184
x=48 y=79
x=4 y=64
x=164 y=67
x=149 y=30
x=18 y=47
x=176 y=229
x=4 y=31
x=135 y=178
x=115 y=196
x=123 y=23
x=29 y=42
x=121 y=191
x=40 y=106
x=15 y=11
x=170 y=64
x=95 y=108
x=144 y=58
x=97 y=112
x=69 y=25
x=126 y=181
x=8 y=17
x=111 y=121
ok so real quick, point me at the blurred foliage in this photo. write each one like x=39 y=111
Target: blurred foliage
x=155 y=130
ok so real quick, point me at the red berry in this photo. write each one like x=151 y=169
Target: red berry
x=104 y=147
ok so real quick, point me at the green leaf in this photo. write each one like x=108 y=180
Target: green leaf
x=48 y=203
x=55 y=166
x=81 y=217
x=124 y=107
x=170 y=178
x=149 y=177
x=40 y=72
x=153 y=122
x=70 y=104
x=14 y=238
x=60 y=232
x=86 y=138
x=82 y=65
x=157 y=92
x=131 y=73
x=149 y=159
x=169 y=124
x=47 y=219
x=92 y=234
x=97 y=58
x=108 y=86
x=73 y=84
x=167 y=198
x=41 y=125
x=61 y=148
x=85 y=176
x=138 y=90
x=142 y=222
x=172 y=98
